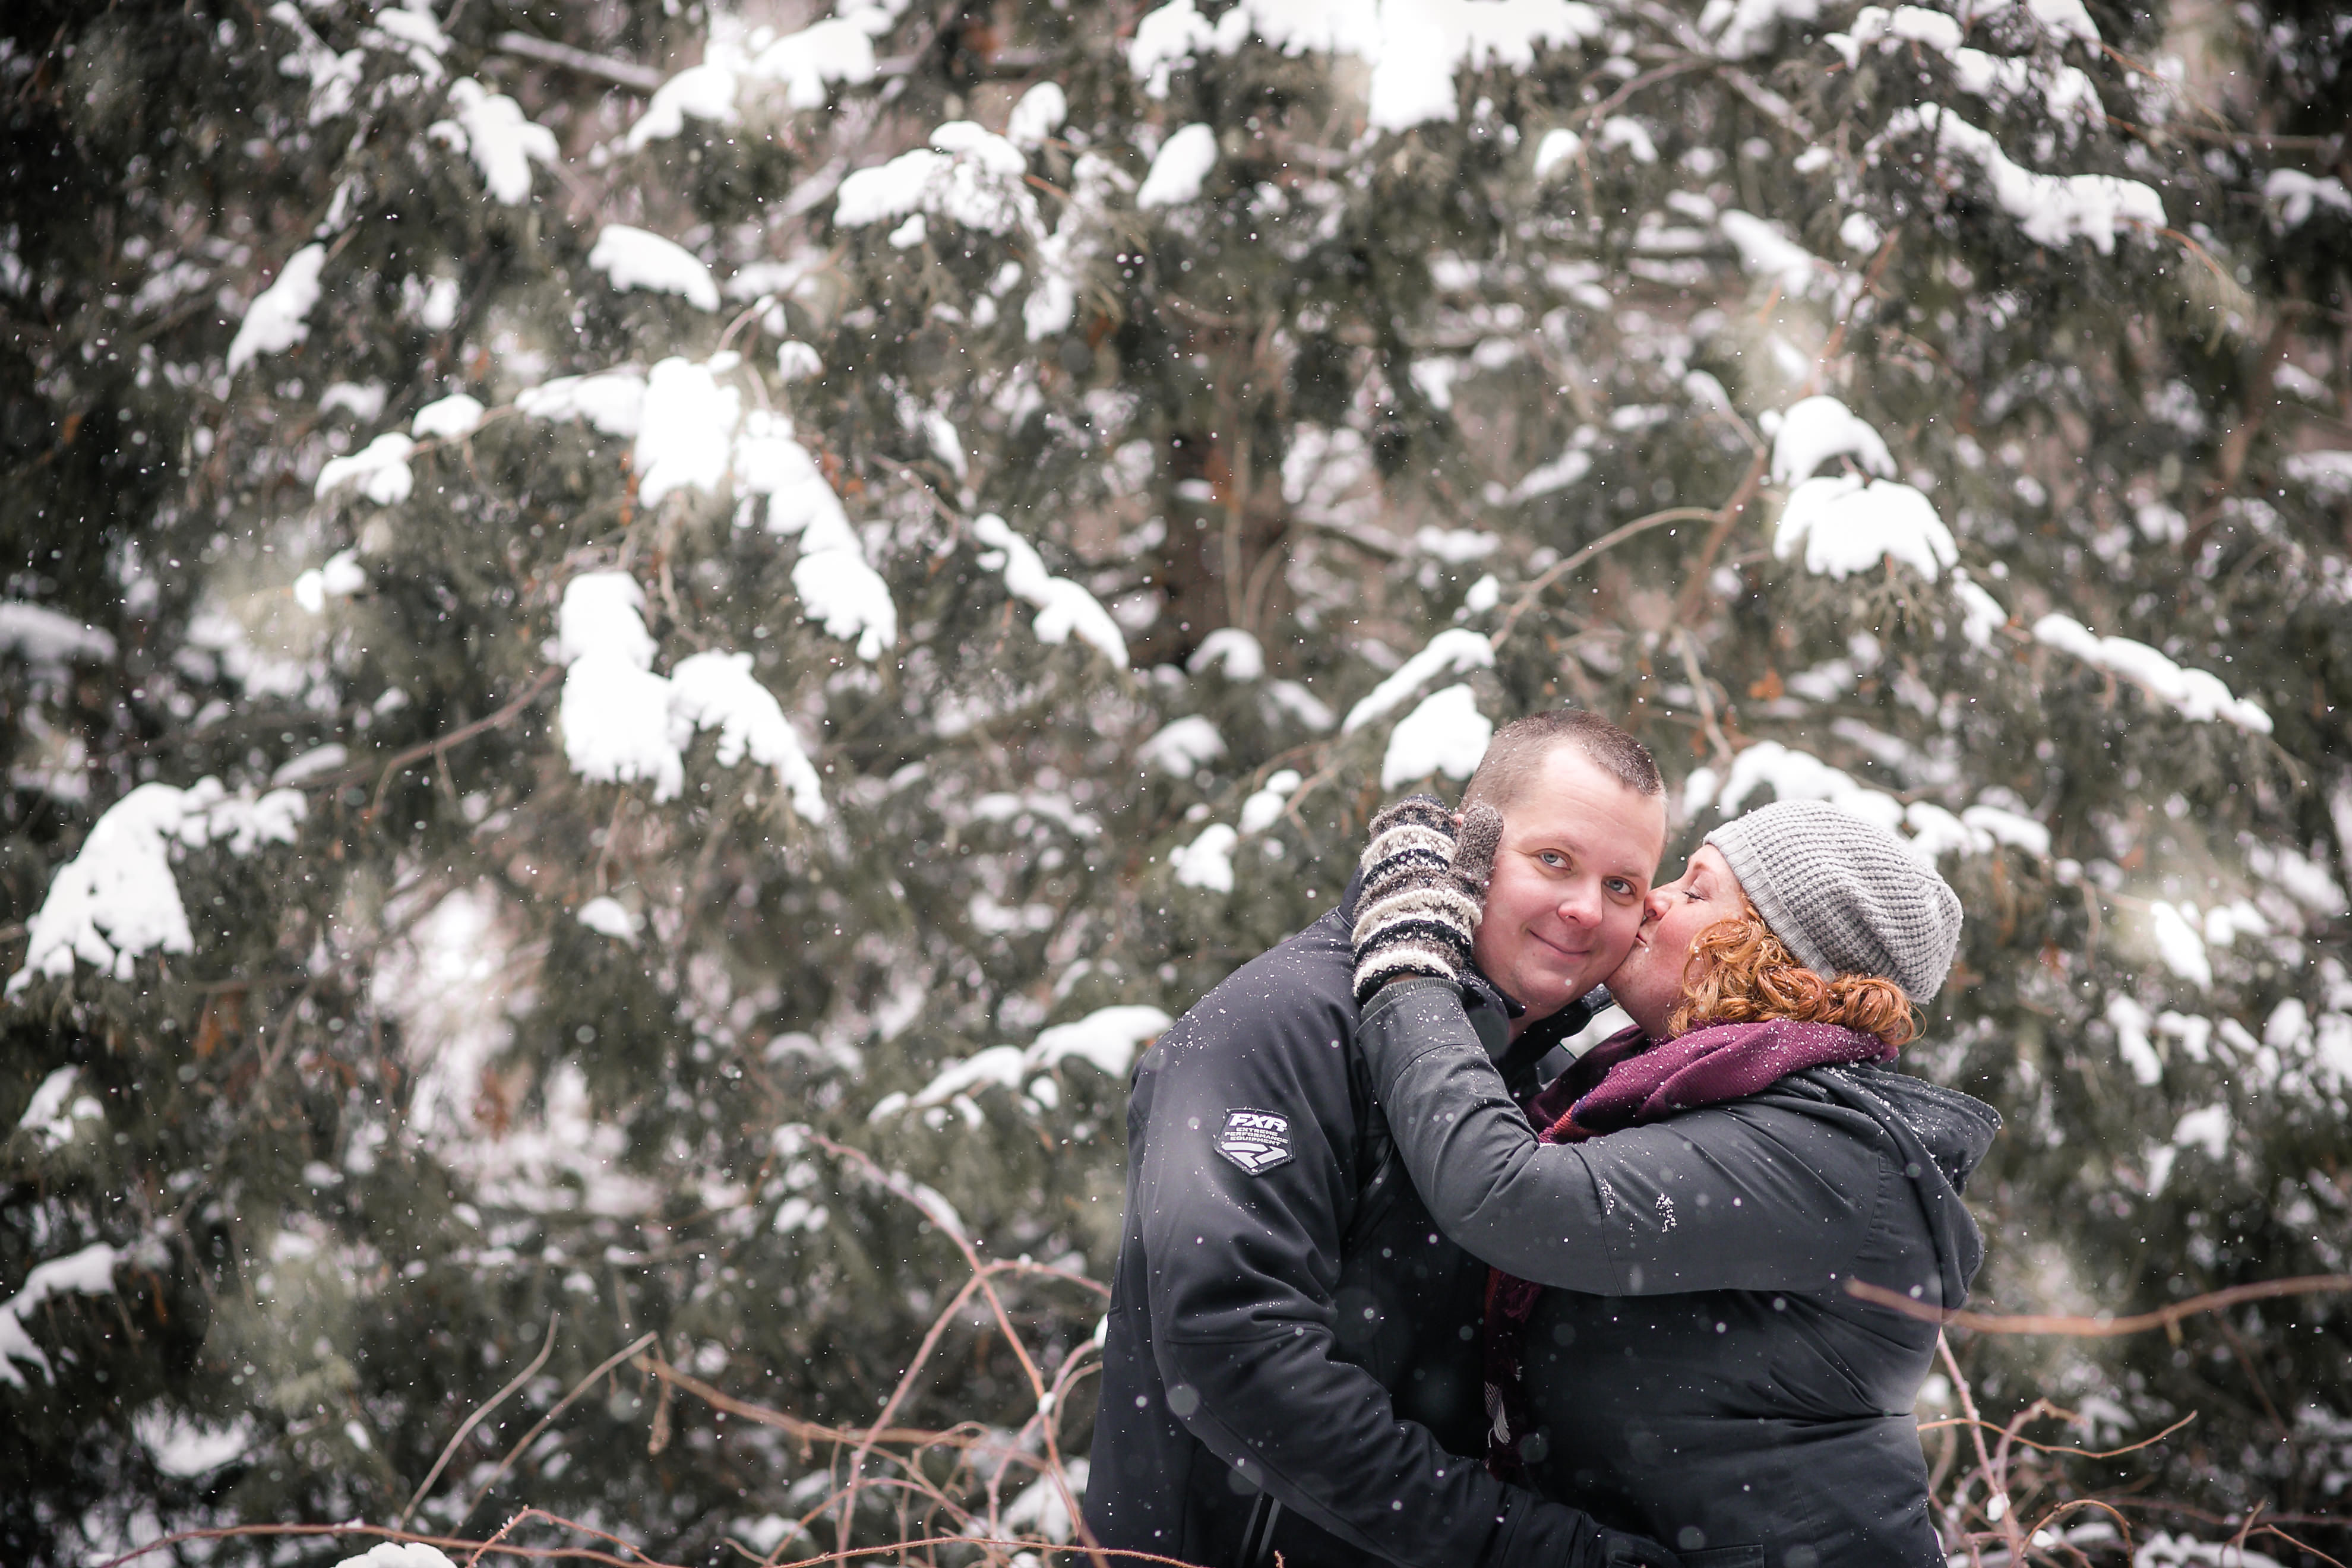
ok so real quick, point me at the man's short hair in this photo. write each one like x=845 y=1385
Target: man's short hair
x=1517 y=752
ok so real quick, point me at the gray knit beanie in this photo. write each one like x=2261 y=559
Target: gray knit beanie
x=1846 y=895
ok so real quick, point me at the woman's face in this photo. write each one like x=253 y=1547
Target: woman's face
x=1649 y=984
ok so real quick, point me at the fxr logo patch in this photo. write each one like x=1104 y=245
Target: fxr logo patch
x=1257 y=1141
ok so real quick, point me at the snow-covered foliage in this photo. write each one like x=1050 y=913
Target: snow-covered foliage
x=605 y=594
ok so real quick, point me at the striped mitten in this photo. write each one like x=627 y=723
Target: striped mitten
x=1417 y=916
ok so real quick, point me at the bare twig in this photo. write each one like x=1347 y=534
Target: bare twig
x=608 y=1364
x=1609 y=541
x=2100 y=1327
x=639 y=79
x=477 y=1418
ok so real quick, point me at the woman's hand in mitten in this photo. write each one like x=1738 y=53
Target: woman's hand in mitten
x=1423 y=886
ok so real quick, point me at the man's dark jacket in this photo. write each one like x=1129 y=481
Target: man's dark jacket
x=1293 y=1358
x=1700 y=1374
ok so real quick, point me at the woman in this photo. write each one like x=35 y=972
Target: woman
x=1671 y=1342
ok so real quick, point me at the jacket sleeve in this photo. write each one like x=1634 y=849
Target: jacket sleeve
x=1242 y=1273
x=1739 y=1197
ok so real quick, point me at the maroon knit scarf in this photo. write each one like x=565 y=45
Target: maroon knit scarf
x=1621 y=1082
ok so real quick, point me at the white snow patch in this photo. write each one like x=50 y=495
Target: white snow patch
x=1208 y=861
x=278 y=317
x=1556 y=475
x=2052 y=209
x=2130 y=1022
x=1262 y=809
x=706 y=91
x=117 y=900
x=614 y=401
x=379 y=470
x=609 y=916
x=685 y=435
x=1558 y=149
x=1413 y=46
x=398 y=1554
x=1238 y=654
x=45 y=638
x=836 y=586
x=637 y=258
x=1063 y=606
x=1451 y=652
x=88 y=1272
x=2208 y=1128
x=718 y=691
x=1039 y=114
x=1183 y=747
x=1766 y=252
x=448 y=418
x=1179 y=166
x=501 y=139
x=1847 y=525
x=1446 y=733
x=310 y=764
x=180 y=1447
x=1980 y=614
x=1293 y=698
x=363 y=399
x=2179 y=943
x=2198 y=694
x=968 y=174
x=1108 y=1038
x=50 y=1116
x=1815 y=429
x=2005 y=827
x=2297 y=196
x=1790 y=774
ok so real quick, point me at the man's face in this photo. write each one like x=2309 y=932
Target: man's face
x=1649 y=984
x=1570 y=875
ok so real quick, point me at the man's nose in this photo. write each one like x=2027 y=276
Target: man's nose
x=1580 y=904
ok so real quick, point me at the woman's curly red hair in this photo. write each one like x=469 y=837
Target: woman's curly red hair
x=1740 y=973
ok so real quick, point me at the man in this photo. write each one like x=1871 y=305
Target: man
x=1293 y=1357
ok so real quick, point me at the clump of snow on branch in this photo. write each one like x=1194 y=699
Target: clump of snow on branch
x=279 y=317
x=1558 y=149
x=1039 y=114
x=635 y=259
x=2050 y=209
x=1446 y=734
x=449 y=418
x=380 y=470
x=968 y=175
x=1063 y=606
x=1747 y=26
x=1108 y=1038
x=624 y=725
x=2069 y=96
x=684 y=437
x=1236 y=653
x=614 y=401
x=118 y=900
x=1845 y=525
x=2297 y=196
x=1413 y=46
x=55 y=1110
x=48 y=640
x=2198 y=694
x=717 y=691
x=398 y=1554
x=1178 y=169
x=836 y=586
x=608 y=916
x=1815 y=429
x=88 y=1272
x=502 y=141
x=1182 y=747
x=1766 y=252
x=806 y=65
x=1208 y=861
x=1450 y=652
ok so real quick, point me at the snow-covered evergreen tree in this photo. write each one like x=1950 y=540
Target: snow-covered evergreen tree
x=601 y=598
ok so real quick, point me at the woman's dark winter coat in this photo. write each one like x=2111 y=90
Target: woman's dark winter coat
x=1699 y=1372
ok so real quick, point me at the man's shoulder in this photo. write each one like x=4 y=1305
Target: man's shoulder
x=1304 y=982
